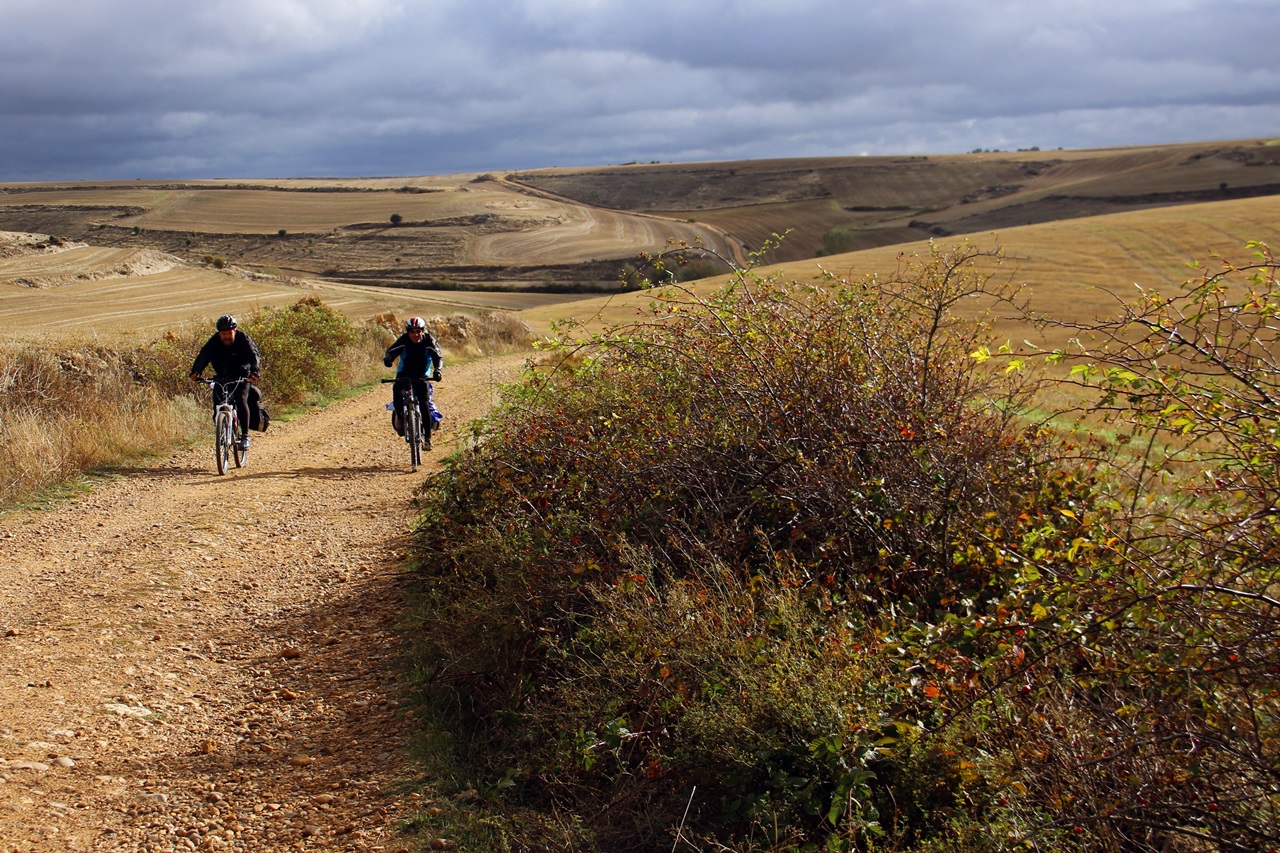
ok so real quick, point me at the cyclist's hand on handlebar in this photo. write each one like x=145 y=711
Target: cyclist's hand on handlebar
x=195 y=377
x=254 y=378
x=435 y=377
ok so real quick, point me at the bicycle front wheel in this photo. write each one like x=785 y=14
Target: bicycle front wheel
x=413 y=435
x=222 y=441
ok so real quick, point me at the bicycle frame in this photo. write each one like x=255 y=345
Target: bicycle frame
x=226 y=422
x=414 y=434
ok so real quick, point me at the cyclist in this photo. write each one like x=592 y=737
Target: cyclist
x=416 y=349
x=233 y=355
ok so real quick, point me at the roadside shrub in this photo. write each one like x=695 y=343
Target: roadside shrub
x=844 y=421
x=839 y=240
x=466 y=335
x=303 y=349
x=690 y=552
x=1150 y=641
x=791 y=567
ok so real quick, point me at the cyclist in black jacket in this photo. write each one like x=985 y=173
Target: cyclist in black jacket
x=418 y=352
x=233 y=355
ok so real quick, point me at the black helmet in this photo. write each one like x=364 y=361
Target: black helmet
x=225 y=322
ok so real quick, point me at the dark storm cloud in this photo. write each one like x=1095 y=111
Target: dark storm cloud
x=277 y=88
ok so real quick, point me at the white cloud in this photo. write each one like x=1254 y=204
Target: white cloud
x=296 y=25
x=182 y=124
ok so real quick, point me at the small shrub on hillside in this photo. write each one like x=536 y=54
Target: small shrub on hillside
x=839 y=240
x=696 y=268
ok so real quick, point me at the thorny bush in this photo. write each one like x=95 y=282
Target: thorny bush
x=696 y=553
x=1146 y=641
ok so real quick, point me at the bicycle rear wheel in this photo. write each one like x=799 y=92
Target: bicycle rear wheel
x=222 y=441
x=239 y=452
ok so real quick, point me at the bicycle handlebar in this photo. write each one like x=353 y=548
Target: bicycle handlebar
x=214 y=380
x=386 y=381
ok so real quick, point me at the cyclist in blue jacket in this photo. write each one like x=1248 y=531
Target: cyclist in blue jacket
x=418 y=352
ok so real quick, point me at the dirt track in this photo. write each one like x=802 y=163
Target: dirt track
x=190 y=661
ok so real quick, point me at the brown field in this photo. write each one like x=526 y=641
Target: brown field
x=344 y=231
x=142 y=255
x=94 y=291
x=1075 y=269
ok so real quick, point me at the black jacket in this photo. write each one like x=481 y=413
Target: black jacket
x=413 y=357
x=229 y=362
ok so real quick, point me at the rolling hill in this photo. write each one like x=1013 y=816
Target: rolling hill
x=1075 y=269
x=865 y=202
x=143 y=254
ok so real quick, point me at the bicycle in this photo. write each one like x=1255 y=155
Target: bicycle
x=415 y=434
x=226 y=424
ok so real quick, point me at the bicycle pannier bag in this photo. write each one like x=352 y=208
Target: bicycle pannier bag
x=258 y=418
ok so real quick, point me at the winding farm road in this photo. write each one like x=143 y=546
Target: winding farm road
x=566 y=230
x=190 y=661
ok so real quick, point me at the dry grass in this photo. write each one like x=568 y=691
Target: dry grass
x=68 y=411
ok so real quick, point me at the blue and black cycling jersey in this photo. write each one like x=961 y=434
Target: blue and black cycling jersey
x=418 y=359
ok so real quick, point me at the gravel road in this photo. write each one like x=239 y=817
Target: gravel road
x=190 y=661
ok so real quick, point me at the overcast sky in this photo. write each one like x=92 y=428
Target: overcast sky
x=103 y=89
